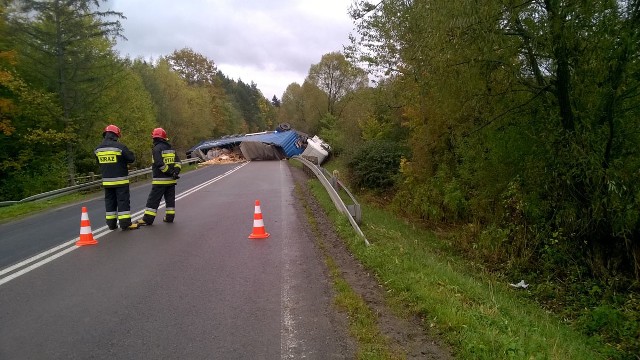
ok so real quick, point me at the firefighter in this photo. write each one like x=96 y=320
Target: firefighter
x=165 y=171
x=113 y=158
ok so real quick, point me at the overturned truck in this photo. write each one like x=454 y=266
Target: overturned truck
x=282 y=143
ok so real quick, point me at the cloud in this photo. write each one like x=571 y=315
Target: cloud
x=272 y=43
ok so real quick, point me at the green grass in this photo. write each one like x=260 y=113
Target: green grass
x=18 y=211
x=479 y=316
x=372 y=345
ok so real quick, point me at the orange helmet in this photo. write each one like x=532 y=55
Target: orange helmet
x=112 y=128
x=159 y=133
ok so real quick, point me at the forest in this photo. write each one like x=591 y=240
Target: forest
x=515 y=125
x=62 y=83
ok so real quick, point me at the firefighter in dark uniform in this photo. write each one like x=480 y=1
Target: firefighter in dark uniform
x=113 y=158
x=165 y=171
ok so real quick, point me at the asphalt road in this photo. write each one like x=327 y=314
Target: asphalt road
x=195 y=289
x=22 y=239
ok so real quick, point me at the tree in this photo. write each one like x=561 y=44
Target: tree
x=130 y=107
x=199 y=71
x=184 y=111
x=195 y=68
x=292 y=107
x=66 y=43
x=275 y=102
x=247 y=98
x=556 y=81
x=337 y=78
x=28 y=146
x=303 y=107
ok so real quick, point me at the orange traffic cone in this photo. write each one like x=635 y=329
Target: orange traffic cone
x=86 y=235
x=258 y=224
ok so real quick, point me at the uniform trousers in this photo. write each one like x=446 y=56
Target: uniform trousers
x=153 y=201
x=117 y=206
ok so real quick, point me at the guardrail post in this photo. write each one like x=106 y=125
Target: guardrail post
x=356 y=212
x=334 y=183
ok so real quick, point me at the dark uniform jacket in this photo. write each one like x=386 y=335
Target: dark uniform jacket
x=166 y=163
x=113 y=158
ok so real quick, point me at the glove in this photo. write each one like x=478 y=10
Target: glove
x=176 y=173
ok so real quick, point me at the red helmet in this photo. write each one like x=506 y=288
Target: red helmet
x=112 y=128
x=159 y=133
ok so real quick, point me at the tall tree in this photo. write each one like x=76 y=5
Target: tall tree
x=28 y=146
x=275 y=101
x=199 y=71
x=195 y=68
x=129 y=106
x=66 y=42
x=247 y=98
x=337 y=77
x=482 y=79
x=184 y=111
x=303 y=107
x=292 y=107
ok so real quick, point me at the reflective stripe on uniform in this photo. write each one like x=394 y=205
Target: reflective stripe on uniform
x=149 y=211
x=111 y=215
x=124 y=216
x=109 y=151
x=163 y=181
x=115 y=181
x=165 y=168
x=170 y=211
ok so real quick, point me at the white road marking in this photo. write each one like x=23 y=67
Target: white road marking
x=55 y=252
x=291 y=345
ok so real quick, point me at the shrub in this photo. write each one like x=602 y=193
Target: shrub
x=375 y=164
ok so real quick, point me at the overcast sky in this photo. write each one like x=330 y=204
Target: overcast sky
x=272 y=43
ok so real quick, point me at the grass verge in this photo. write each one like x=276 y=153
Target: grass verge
x=18 y=211
x=480 y=317
x=362 y=322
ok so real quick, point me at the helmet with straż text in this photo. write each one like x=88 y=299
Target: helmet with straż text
x=112 y=128
x=159 y=133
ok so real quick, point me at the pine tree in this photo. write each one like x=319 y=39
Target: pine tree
x=68 y=44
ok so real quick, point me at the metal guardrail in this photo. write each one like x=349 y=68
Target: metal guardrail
x=71 y=189
x=353 y=211
x=330 y=183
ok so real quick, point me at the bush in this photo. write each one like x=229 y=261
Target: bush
x=375 y=164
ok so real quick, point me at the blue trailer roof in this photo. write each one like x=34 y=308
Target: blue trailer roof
x=289 y=141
